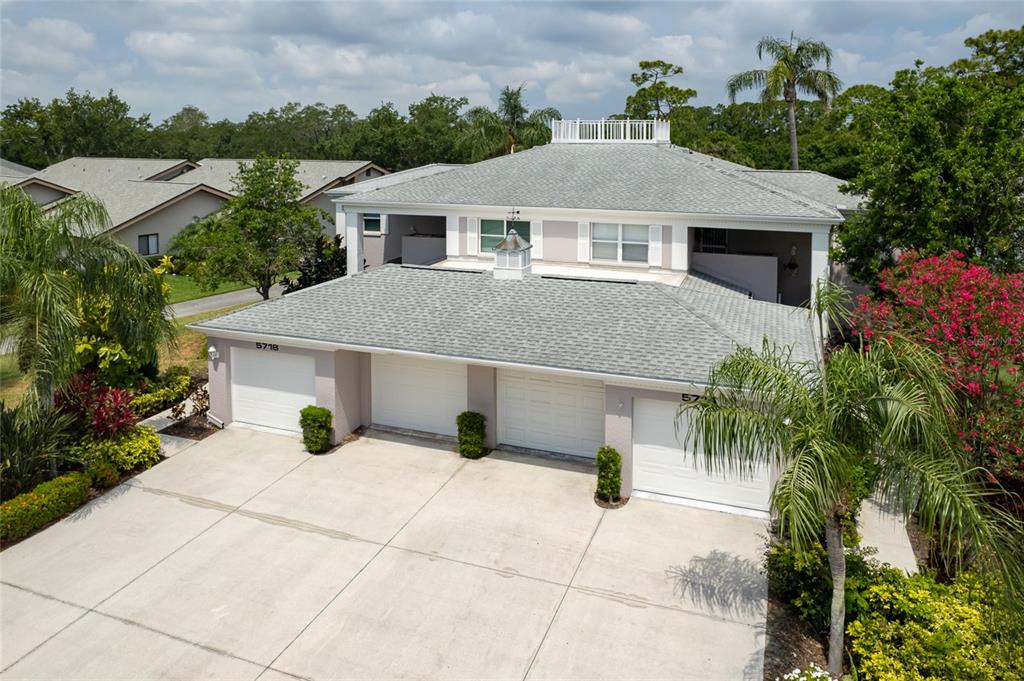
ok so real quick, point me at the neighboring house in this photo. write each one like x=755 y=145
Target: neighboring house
x=150 y=200
x=10 y=170
x=591 y=334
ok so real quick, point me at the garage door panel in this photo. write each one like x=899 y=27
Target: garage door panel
x=662 y=466
x=270 y=388
x=553 y=413
x=419 y=394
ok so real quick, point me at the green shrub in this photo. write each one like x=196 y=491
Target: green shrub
x=26 y=513
x=472 y=428
x=919 y=630
x=137 y=448
x=316 y=425
x=171 y=389
x=102 y=474
x=30 y=441
x=609 y=473
x=802 y=581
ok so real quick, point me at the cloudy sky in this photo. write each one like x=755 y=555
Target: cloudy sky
x=230 y=58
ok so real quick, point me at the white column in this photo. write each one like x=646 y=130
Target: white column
x=451 y=234
x=354 y=241
x=383 y=223
x=819 y=258
x=680 y=247
x=537 y=239
x=654 y=246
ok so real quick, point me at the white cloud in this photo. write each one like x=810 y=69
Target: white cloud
x=45 y=43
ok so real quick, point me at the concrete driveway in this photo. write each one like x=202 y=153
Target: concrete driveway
x=242 y=557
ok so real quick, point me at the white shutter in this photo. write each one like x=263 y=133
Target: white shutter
x=583 y=243
x=472 y=236
x=654 y=246
x=451 y=235
x=537 y=239
x=680 y=247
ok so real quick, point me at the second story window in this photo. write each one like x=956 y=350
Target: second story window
x=371 y=223
x=619 y=243
x=493 y=231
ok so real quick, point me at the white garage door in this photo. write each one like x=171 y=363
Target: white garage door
x=662 y=466
x=270 y=388
x=553 y=413
x=419 y=394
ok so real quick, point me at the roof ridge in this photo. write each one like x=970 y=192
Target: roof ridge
x=710 y=323
x=822 y=208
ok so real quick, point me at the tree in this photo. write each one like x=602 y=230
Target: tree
x=433 y=130
x=941 y=168
x=55 y=265
x=998 y=55
x=974 y=319
x=258 y=236
x=510 y=128
x=327 y=261
x=793 y=72
x=887 y=409
x=654 y=96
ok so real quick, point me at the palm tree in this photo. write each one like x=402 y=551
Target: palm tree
x=792 y=72
x=510 y=128
x=888 y=407
x=54 y=263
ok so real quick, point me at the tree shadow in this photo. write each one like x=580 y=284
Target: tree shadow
x=85 y=510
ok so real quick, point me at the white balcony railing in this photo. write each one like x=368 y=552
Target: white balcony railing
x=609 y=131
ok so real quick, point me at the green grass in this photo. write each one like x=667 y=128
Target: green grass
x=12 y=381
x=183 y=288
x=189 y=347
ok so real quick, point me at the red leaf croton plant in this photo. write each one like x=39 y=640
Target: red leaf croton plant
x=974 y=319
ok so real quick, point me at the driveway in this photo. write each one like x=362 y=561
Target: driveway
x=242 y=557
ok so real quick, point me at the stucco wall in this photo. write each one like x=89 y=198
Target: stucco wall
x=348 y=402
x=403 y=225
x=323 y=201
x=757 y=273
x=171 y=220
x=560 y=238
x=482 y=397
x=41 y=194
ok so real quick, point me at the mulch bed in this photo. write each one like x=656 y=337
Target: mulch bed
x=604 y=503
x=787 y=644
x=194 y=428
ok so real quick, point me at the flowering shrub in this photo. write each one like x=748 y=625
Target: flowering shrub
x=974 y=319
x=810 y=673
x=103 y=411
x=135 y=449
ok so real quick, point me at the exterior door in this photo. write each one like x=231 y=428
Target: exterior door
x=270 y=388
x=552 y=413
x=418 y=394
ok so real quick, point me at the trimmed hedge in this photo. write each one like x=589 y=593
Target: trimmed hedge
x=472 y=428
x=317 y=423
x=137 y=448
x=26 y=513
x=173 y=389
x=102 y=474
x=609 y=473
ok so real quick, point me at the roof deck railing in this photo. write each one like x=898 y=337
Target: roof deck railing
x=612 y=131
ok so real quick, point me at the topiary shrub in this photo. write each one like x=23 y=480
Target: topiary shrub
x=138 y=448
x=609 y=473
x=472 y=427
x=316 y=425
x=102 y=474
x=26 y=513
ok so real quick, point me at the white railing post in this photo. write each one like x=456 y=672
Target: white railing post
x=623 y=130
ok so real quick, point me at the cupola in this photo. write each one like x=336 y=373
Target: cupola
x=512 y=257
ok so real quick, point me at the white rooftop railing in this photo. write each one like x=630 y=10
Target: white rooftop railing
x=609 y=131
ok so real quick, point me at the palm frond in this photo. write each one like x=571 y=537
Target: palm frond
x=748 y=80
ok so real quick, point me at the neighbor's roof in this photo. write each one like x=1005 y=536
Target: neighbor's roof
x=628 y=177
x=818 y=186
x=11 y=169
x=394 y=178
x=314 y=175
x=629 y=329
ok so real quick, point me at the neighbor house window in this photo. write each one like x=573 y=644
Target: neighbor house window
x=493 y=231
x=371 y=223
x=149 y=244
x=619 y=243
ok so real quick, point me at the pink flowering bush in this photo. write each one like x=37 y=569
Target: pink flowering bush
x=974 y=319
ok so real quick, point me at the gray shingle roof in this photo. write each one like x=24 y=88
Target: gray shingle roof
x=706 y=283
x=217 y=172
x=818 y=186
x=631 y=177
x=393 y=178
x=644 y=330
x=12 y=169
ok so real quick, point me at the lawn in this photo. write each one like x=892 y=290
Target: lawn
x=183 y=288
x=12 y=381
x=189 y=347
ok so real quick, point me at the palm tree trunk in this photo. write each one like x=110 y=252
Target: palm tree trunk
x=794 y=156
x=837 y=566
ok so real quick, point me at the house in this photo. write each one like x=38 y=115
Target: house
x=635 y=267
x=151 y=200
x=10 y=170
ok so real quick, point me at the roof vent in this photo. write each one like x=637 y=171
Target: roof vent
x=614 y=131
x=512 y=257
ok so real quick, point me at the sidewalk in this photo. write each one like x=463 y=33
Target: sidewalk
x=886 y=531
x=210 y=303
